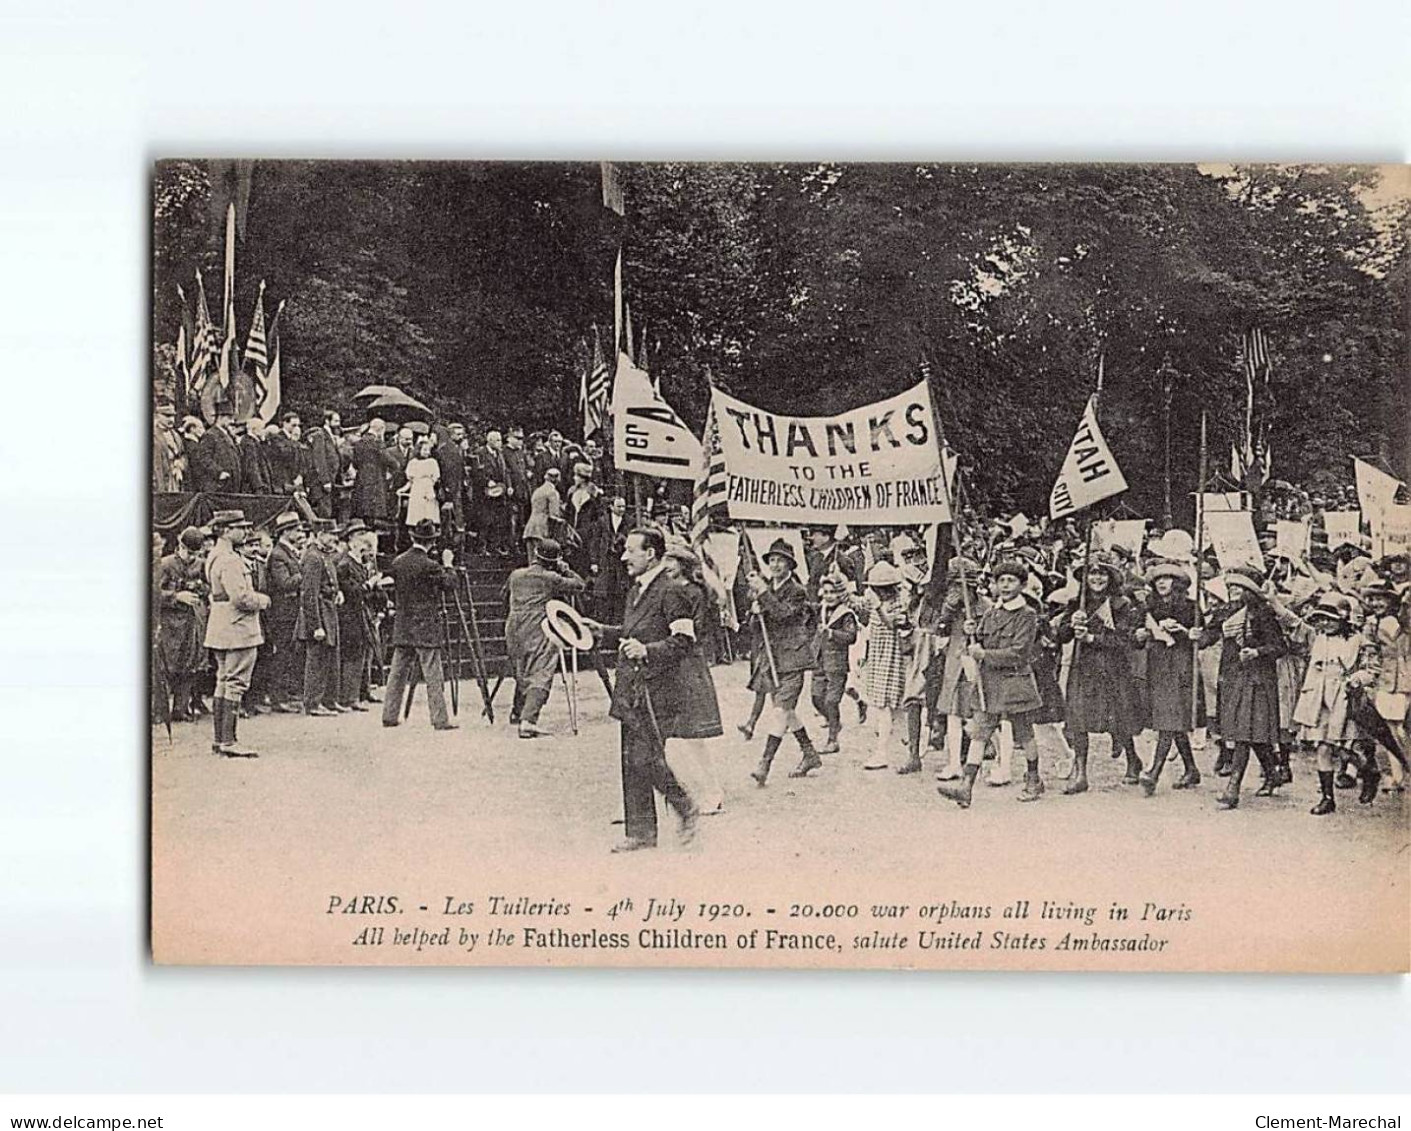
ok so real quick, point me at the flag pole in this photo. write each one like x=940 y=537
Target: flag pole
x=955 y=542
x=1088 y=538
x=1199 y=580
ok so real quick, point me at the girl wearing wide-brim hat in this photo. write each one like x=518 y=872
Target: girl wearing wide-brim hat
x=1387 y=626
x=1166 y=634
x=1250 y=643
x=1341 y=662
x=884 y=677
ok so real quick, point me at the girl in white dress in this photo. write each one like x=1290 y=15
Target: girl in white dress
x=423 y=473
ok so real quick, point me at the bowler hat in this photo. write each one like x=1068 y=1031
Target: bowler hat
x=547 y=550
x=426 y=531
x=781 y=549
x=191 y=537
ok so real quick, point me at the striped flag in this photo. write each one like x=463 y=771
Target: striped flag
x=709 y=496
x=596 y=391
x=268 y=402
x=1250 y=459
x=203 y=342
x=256 y=345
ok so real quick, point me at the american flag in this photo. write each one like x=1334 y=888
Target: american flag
x=203 y=342
x=268 y=398
x=596 y=391
x=257 y=345
x=708 y=499
x=1251 y=458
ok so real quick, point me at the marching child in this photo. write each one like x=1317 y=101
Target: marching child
x=1167 y=633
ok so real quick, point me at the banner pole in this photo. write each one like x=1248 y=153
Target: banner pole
x=1199 y=579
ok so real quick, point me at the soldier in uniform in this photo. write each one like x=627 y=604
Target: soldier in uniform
x=533 y=657
x=284 y=582
x=233 y=631
x=781 y=603
x=419 y=634
x=317 y=626
x=661 y=687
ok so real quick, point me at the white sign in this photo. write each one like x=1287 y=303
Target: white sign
x=1089 y=473
x=878 y=465
x=1128 y=533
x=1376 y=491
x=1231 y=535
x=1292 y=536
x=647 y=435
x=1343 y=527
x=1393 y=535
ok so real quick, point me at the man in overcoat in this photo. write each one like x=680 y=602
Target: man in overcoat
x=419 y=633
x=214 y=463
x=533 y=657
x=354 y=617
x=373 y=464
x=284 y=582
x=317 y=626
x=658 y=686
x=233 y=632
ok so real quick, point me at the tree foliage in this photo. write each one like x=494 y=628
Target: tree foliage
x=814 y=288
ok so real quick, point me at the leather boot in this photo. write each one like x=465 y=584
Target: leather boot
x=961 y=793
x=1223 y=761
x=1283 y=765
x=913 y=740
x=1371 y=778
x=1230 y=799
x=1134 y=764
x=1033 y=784
x=771 y=747
x=1153 y=775
x=218 y=739
x=1328 y=802
x=233 y=749
x=1078 y=782
x=1191 y=776
x=1269 y=768
x=810 y=759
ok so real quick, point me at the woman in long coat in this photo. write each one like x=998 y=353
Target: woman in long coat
x=1170 y=658
x=182 y=589
x=1099 y=689
x=1250 y=643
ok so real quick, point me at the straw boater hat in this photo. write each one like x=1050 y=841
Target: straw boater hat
x=882 y=575
x=779 y=548
x=564 y=623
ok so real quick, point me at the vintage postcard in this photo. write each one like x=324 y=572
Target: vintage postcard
x=925 y=566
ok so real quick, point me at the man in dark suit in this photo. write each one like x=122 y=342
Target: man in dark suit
x=317 y=626
x=373 y=463
x=825 y=555
x=655 y=694
x=284 y=455
x=451 y=460
x=328 y=463
x=610 y=579
x=520 y=469
x=284 y=583
x=355 y=553
x=492 y=495
x=215 y=461
x=418 y=634
x=254 y=460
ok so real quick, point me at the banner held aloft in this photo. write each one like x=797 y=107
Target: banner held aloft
x=1089 y=474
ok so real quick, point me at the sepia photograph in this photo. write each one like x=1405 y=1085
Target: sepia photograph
x=910 y=565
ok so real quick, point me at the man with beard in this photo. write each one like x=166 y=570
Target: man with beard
x=328 y=462
x=233 y=631
x=317 y=626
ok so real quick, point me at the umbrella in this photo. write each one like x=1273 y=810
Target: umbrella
x=396 y=405
x=372 y=392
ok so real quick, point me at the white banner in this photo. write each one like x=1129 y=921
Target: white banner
x=1128 y=533
x=1376 y=491
x=1343 y=528
x=1292 y=538
x=873 y=466
x=1089 y=473
x=647 y=435
x=1231 y=535
x=1393 y=534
